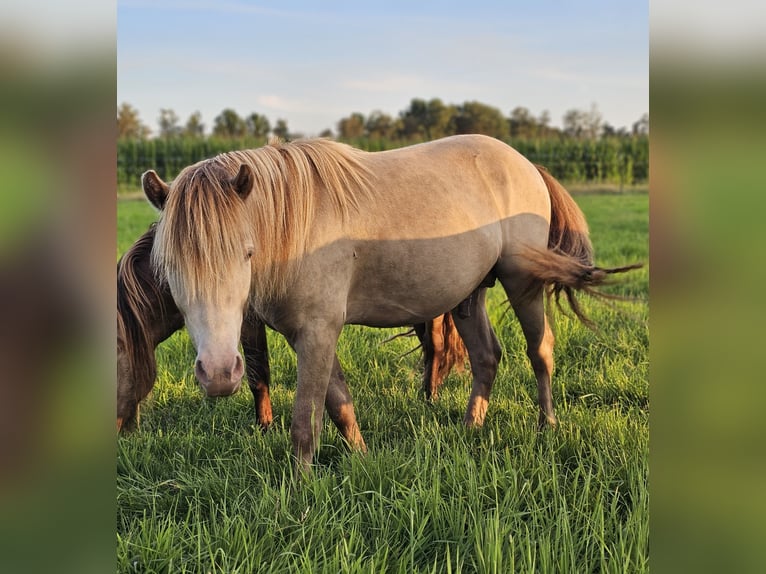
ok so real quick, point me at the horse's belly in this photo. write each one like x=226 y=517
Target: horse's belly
x=406 y=282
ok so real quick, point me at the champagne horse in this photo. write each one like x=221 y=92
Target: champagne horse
x=315 y=234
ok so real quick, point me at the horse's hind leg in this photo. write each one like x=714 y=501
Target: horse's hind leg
x=484 y=352
x=530 y=310
x=431 y=335
x=256 y=350
x=340 y=407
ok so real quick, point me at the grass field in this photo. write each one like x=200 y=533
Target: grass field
x=199 y=489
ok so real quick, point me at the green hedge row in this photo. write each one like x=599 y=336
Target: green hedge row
x=623 y=161
x=169 y=156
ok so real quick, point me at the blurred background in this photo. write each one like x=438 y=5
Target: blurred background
x=57 y=220
x=708 y=85
x=57 y=243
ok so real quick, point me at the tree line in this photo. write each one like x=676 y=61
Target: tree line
x=421 y=120
x=584 y=149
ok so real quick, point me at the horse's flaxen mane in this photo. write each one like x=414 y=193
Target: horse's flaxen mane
x=138 y=297
x=205 y=224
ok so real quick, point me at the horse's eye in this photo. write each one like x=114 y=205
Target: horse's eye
x=249 y=254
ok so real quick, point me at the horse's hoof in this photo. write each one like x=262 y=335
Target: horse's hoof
x=546 y=421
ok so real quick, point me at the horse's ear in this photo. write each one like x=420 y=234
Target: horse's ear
x=243 y=181
x=155 y=189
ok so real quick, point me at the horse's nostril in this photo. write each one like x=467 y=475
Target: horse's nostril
x=200 y=373
x=238 y=370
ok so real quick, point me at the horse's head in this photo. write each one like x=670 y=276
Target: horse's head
x=203 y=248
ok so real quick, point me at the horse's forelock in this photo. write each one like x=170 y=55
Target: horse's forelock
x=203 y=230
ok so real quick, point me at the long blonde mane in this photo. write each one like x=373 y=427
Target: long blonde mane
x=205 y=224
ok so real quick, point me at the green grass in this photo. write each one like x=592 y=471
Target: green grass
x=199 y=489
x=134 y=215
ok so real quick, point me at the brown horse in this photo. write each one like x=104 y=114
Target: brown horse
x=147 y=315
x=315 y=234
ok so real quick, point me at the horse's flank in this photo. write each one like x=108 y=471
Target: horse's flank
x=289 y=179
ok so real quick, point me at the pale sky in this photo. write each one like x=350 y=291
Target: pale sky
x=313 y=63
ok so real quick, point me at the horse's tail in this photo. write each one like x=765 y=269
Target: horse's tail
x=455 y=353
x=567 y=265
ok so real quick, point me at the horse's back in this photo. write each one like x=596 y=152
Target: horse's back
x=450 y=186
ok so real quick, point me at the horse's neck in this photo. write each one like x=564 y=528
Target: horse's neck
x=165 y=318
x=161 y=316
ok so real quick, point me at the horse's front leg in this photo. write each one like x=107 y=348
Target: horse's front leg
x=431 y=336
x=256 y=350
x=315 y=347
x=340 y=407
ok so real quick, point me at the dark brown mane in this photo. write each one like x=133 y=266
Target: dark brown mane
x=138 y=298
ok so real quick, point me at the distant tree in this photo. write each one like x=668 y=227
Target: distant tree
x=229 y=124
x=414 y=120
x=545 y=119
x=326 y=133
x=574 y=123
x=544 y=129
x=477 y=118
x=522 y=123
x=427 y=119
x=379 y=126
x=641 y=127
x=608 y=130
x=352 y=126
x=128 y=123
x=194 y=127
x=593 y=122
x=583 y=124
x=168 y=123
x=440 y=119
x=258 y=125
x=280 y=130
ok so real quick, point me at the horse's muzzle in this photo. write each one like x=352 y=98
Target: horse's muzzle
x=220 y=382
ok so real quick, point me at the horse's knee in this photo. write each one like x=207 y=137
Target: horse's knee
x=304 y=439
